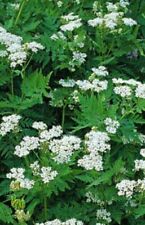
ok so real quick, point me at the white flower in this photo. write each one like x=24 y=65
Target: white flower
x=39 y=125
x=9 y=123
x=79 y=57
x=123 y=91
x=98 y=85
x=16 y=50
x=129 y=22
x=95 y=22
x=91 y=161
x=16 y=173
x=111 y=125
x=101 y=71
x=67 y=83
x=70 y=17
x=59 y=3
x=142 y=152
x=111 y=20
x=72 y=25
x=124 y=3
x=84 y=85
x=129 y=82
x=103 y=214
x=140 y=185
x=47 y=135
x=59 y=35
x=34 y=46
x=111 y=7
x=97 y=141
x=139 y=165
x=26 y=183
x=126 y=188
x=63 y=148
x=35 y=168
x=17 y=58
x=140 y=91
x=47 y=174
x=72 y=221
x=26 y=146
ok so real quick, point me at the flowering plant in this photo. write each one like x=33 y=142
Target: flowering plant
x=72 y=102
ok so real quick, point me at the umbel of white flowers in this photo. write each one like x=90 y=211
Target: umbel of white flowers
x=15 y=49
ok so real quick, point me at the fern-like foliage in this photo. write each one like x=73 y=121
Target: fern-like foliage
x=6 y=214
x=93 y=110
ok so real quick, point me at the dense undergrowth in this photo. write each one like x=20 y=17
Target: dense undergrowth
x=72 y=102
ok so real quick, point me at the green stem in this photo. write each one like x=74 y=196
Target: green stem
x=12 y=85
x=63 y=116
x=20 y=11
x=25 y=67
x=45 y=208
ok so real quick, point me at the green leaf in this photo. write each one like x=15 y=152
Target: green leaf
x=5 y=214
x=35 y=85
x=106 y=176
x=140 y=211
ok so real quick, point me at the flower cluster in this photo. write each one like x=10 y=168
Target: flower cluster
x=17 y=174
x=78 y=59
x=103 y=214
x=15 y=49
x=27 y=145
x=58 y=36
x=113 y=19
x=142 y=152
x=9 y=123
x=72 y=221
x=39 y=126
x=33 y=46
x=111 y=125
x=94 y=199
x=123 y=91
x=67 y=83
x=101 y=71
x=96 y=143
x=47 y=135
x=47 y=174
x=73 y=22
x=93 y=83
x=126 y=187
x=96 y=85
x=125 y=88
x=140 y=91
x=63 y=148
x=140 y=165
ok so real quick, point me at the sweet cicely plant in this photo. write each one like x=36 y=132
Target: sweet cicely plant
x=72 y=102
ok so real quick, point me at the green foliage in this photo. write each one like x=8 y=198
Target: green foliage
x=6 y=214
x=33 y=90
